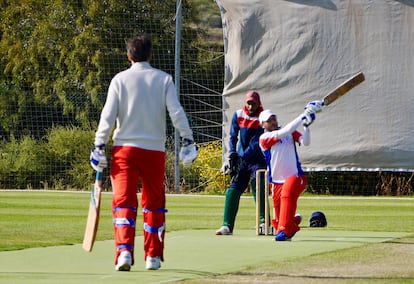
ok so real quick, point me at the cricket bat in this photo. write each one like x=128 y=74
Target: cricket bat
x=343 y=88
x=93 y=215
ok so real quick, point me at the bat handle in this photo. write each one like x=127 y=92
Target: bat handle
x=98 y=176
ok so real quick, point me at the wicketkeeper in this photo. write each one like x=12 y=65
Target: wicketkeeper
x=245 y=158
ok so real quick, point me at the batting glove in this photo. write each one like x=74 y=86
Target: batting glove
x=98 y=158
x=308 y=116
x=233 y=164
x=188 y=152
x=316 y=106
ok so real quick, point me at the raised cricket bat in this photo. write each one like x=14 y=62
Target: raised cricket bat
x=93 y=215
x=342 y=89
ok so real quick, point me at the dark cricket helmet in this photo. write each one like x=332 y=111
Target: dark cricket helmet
x=318 y=219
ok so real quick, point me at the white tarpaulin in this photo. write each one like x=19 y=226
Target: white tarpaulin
x=296 y=51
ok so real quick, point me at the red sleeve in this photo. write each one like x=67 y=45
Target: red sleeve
x=296 y=136
x=267 y=141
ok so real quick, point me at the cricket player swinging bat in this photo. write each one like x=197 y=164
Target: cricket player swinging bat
x=93 y=215
x=343 y=88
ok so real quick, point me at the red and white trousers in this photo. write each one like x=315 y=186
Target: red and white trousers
x=129 y=166
x=285 y=199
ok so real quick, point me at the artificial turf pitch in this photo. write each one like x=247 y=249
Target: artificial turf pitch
x=188 y=254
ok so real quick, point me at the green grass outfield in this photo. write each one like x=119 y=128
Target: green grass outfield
x=41 y=233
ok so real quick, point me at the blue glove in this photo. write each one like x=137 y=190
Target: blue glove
x=188 y=152
x=308 y=116
x=98 y=158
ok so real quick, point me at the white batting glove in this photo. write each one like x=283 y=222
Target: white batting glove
x=98 y=158
x=316 y=106
x=188 y=152
x=308 y=116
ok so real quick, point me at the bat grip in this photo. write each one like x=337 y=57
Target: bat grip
x=98 y=176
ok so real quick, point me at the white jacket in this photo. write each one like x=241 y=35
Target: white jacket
x=137 y=102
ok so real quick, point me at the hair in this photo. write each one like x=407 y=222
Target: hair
x=139 y=47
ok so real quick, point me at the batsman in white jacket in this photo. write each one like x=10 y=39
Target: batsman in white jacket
x=135 y=110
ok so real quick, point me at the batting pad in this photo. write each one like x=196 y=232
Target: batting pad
x=188 y=254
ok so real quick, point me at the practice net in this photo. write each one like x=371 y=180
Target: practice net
x=57 y=59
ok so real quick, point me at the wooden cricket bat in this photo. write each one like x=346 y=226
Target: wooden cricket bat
x=93 y=215
x=342 y=89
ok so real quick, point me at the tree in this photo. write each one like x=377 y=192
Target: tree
x=60 y=55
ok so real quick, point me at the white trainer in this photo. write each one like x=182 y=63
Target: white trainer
x=124 y=261
x=262 y=229
x=224 y=230
x=153 y=263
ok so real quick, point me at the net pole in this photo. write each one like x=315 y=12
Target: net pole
x=177 y=87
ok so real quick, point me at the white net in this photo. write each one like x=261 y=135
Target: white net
x=57 y=59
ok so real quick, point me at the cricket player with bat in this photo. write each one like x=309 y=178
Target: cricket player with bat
x=286 y=177
x=136 y=106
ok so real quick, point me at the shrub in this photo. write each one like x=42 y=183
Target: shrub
x=22 y=163
x=68 y=151
x=189 y=176
x=209 y=164
x=204 y=176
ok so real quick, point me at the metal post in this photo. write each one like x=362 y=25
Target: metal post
x=177 y=87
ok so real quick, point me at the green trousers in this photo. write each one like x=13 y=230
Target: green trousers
x=231 y=205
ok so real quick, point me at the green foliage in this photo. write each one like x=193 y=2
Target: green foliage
x=68 y=150
x=207 y=14
x=170 y=163
x=22 y=163
x=57 y=59
x=204 y=176
x=204 y=60
x=59 y=163
x=189 y=176
x=190 y=179
x=62 y=54
x=209 y=163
